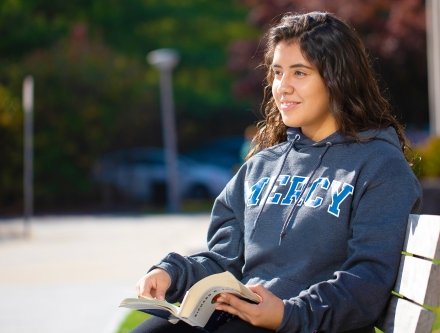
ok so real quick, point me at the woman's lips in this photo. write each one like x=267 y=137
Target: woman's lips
x=288 y=105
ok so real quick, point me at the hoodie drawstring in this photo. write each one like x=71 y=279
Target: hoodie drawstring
x=297 y=137
x=295 y=205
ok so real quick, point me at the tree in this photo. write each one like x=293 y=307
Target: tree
x=11 y=171
x=79 y=113
x=95 y=91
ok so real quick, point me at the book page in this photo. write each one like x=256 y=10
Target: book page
x=200 y=314
x=149 y=303
x=199 y=301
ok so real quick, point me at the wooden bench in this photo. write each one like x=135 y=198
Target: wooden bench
x=418 y=283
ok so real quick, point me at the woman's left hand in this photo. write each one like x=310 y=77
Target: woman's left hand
x=267 y=314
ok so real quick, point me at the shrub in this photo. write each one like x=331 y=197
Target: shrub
x=428 y=161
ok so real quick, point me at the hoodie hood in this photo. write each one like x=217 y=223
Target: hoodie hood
x=388 y=135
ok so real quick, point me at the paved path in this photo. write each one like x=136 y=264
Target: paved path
x=72 y=272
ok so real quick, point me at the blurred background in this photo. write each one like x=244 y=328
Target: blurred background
x=83 y=134
x=97 y=133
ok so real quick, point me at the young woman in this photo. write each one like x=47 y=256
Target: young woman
x=315 y=219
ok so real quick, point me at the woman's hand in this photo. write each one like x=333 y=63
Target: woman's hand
x=267 y=314
x=154 y=284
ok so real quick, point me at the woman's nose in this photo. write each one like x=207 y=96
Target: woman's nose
x=285 y=85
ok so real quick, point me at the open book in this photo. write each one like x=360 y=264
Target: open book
x=198 y=305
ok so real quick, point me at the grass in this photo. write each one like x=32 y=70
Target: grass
x=133 y=319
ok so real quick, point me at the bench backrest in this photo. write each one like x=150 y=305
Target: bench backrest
x=418 y=281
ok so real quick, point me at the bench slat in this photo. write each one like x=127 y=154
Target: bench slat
x=406 y=317
x=419 y=281
x=423 y=236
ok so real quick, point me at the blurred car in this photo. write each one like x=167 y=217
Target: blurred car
x=140 y=174
x=223 y=152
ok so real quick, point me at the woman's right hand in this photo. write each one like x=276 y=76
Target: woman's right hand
x=154 y=284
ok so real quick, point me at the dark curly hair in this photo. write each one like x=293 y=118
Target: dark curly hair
x=339 y=55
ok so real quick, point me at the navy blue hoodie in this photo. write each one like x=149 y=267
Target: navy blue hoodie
x=319 y=224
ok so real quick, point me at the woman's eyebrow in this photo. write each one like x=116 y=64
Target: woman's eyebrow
x=299 y=65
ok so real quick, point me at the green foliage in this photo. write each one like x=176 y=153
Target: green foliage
x=11 y=122
x=91 y=101
x=429 y=158
x=27 y=25
x=95 y=92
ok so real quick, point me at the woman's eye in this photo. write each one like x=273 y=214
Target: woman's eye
x=277 y=73
x=299 y=73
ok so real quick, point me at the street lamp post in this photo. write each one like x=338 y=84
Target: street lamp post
x=28 y=107
x=433 y=39
x=165 y=60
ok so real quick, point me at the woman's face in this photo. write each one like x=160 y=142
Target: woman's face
x=300 y=93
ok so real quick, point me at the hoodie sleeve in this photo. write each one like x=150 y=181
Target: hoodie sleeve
x=358 y=292
x=225 y=247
